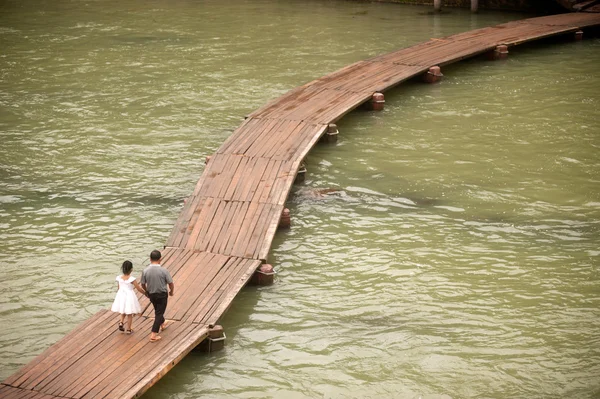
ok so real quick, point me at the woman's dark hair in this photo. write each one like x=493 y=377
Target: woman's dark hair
x=127 y=267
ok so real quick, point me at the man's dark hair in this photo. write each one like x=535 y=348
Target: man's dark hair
x=155 y=255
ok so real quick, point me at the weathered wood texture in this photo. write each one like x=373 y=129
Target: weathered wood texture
x=226 y=227
x=97 y=361
x=205 y=282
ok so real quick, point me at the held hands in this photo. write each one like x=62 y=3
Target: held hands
x=171 y=293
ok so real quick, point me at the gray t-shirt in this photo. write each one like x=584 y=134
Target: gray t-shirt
x=156 y=278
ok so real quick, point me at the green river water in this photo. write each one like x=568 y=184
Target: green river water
x=460 y=257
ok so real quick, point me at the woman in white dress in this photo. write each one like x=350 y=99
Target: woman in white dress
x=126 y=302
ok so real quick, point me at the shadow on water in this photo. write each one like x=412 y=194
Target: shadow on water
x=404 y=202
x=354 y=194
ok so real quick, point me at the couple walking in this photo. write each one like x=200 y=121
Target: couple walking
x=153 y=284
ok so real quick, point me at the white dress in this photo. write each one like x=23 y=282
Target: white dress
x=126 y=302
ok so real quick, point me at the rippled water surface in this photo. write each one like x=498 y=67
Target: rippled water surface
x=458 y=258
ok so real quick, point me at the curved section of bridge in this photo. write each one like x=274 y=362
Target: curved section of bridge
x=226 y=227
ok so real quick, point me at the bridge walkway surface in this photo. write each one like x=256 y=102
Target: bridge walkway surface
x=225 y=229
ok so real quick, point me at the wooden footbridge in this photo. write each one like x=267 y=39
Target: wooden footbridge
x=226 y=227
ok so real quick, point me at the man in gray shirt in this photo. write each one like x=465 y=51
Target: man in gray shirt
x=155 y=280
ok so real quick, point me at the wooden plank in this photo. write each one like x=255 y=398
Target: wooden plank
x=98 y=361
x=286 y=173
x=213 y=228
x=246 y=270
x=25 y=372
x=247 y=176
x=217 y=240
x=217 y=225
x=13 y=393
x=54 y=357
x=268 y=237
x=272 y=140
x=286 y=184
x=206 y=273
x=263 y=129
x=245 y=225
x=232 y=227
x=235 y=228
x=204 y=214
x=300 y=152
x=235 y=136
x=199 y=307
x=81 y=347
x=289 y=104
x=251 y=219
x=288 y=147
x=196 y=210
x=235 y=162
x=266 y=135
x=71 y=377
x=290 y=134
x=240 y=176
x=212 y=283
x=347 y=103
x=9 y=392
x=261 y=227
x=216 y=167
x=269 y=181
x=247 y=194
x=278 y=102
x=248 y=133
x=149 y=361
x=183 y=280
x=202 y=224
x=186 y=217
x=175 y=263
x=299 y=110
x=194 y=336
x=137 y=344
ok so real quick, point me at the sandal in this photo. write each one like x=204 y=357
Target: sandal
x=129 y=332
x=121 y=328
x=157 y=338
x=165 y=325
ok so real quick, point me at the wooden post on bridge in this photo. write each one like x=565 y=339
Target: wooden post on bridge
x=331 y=135
x=264 y=275
x=499 y=53
x=377 y=101
x=433 y=75
x=215 y=340
x=301 y=175
x=437 y=5
x=285 y=221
